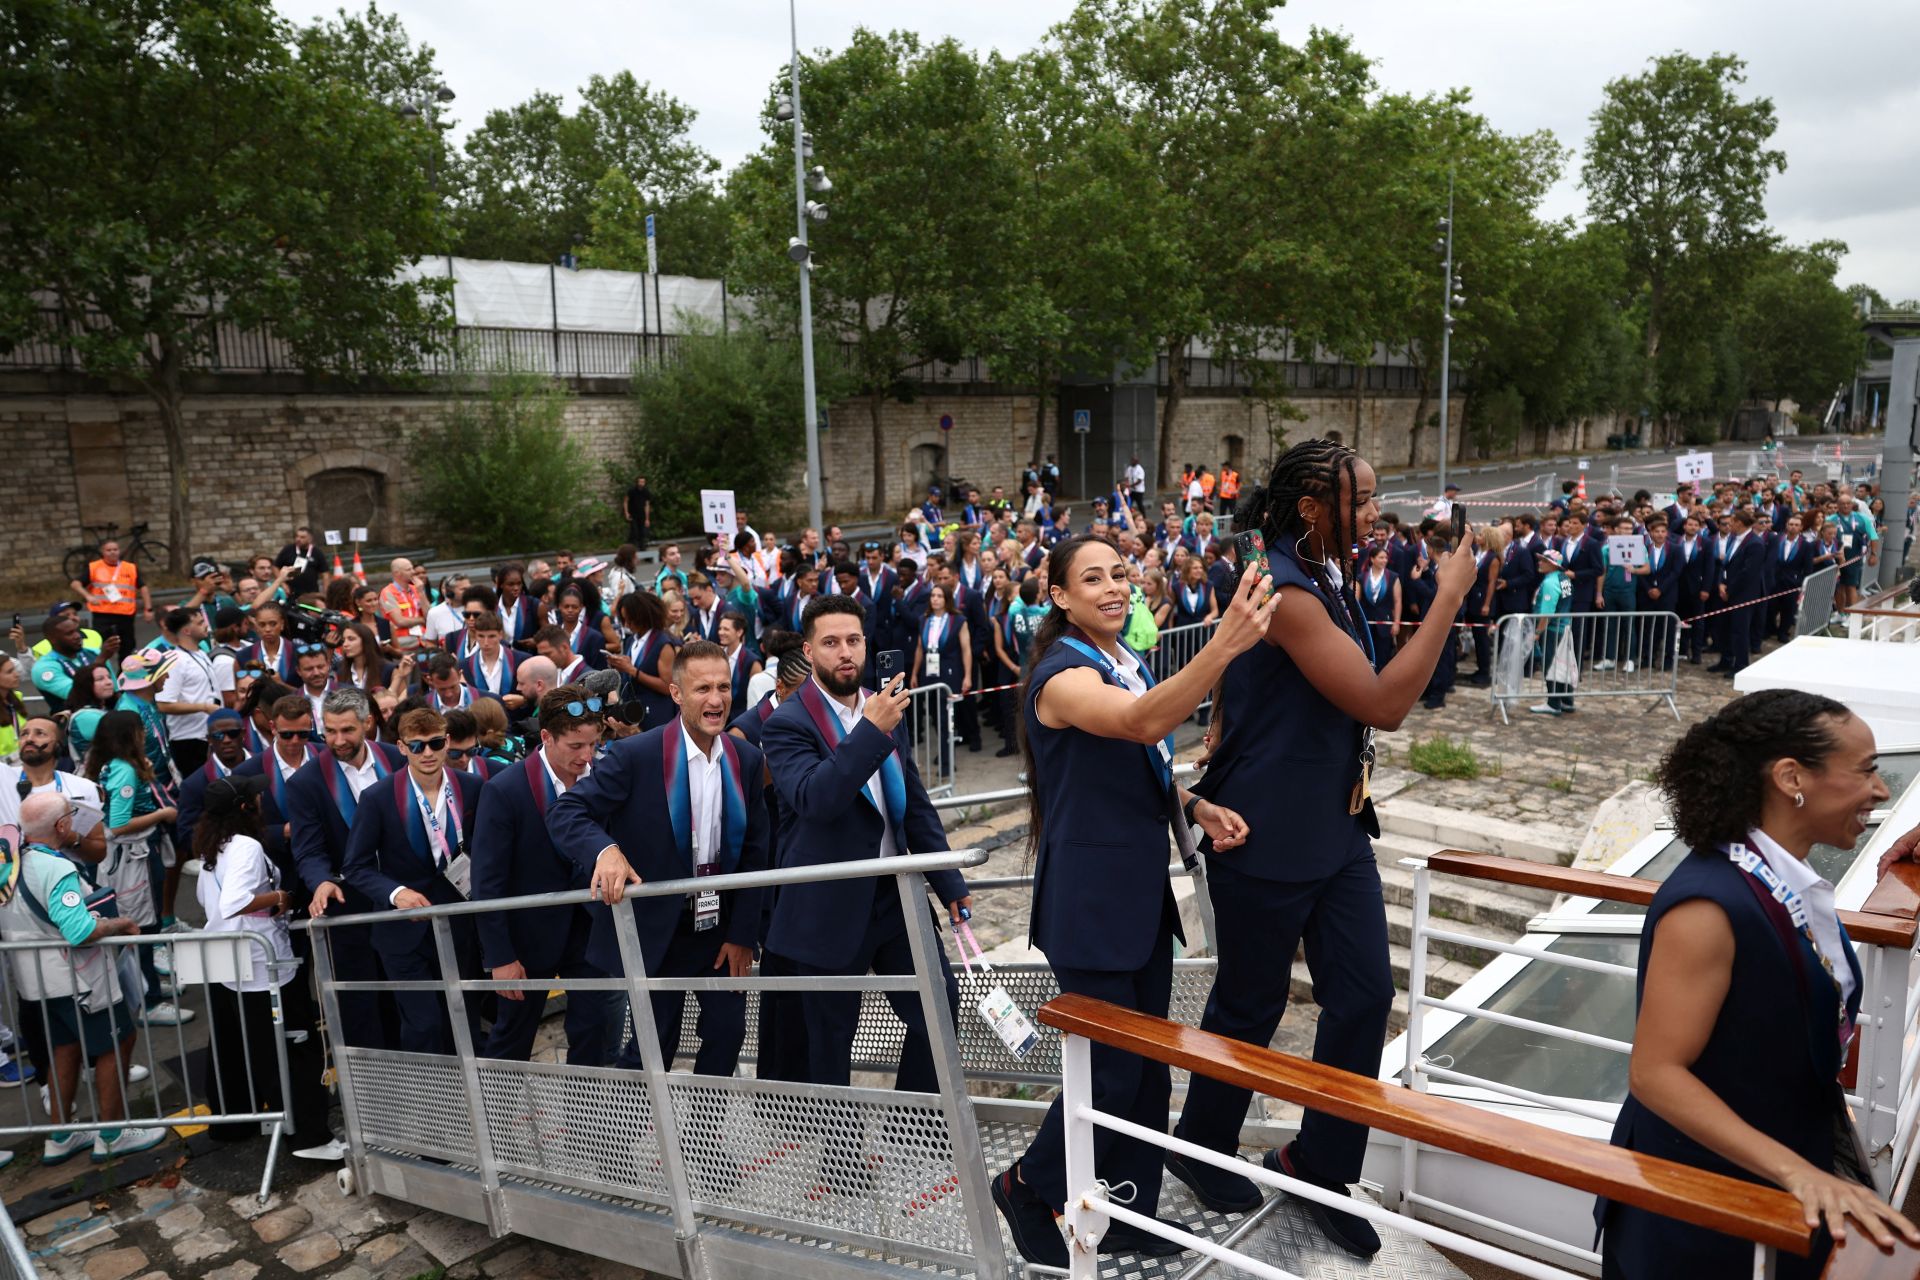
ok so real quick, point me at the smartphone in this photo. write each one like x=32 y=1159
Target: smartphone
x=1250 y=553
x=16 y=621
x=889 y=663
x=1459 y=521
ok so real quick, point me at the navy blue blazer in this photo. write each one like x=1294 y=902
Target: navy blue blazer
x=190 y=800
x=825 y=817
x=624 y=802
x=388 y=849
x=273 y=815
x=1589 y=567
x=1667 y=578
x=1743 y=568
x=1790 y=568
x=1521 y=574
x=513 y=856
x=320 y=830
x=1702 y=573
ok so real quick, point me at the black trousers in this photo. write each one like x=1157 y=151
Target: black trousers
x=244 y=1073
x=368 y=1019
x=518 y=1023
x=1124 y=1084
x=116 y=624
x=722 y=1025
x=781 y=1046
x=1343 y=921
x=425 y=1026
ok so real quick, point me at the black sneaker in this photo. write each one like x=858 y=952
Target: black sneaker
x=1035 y=1233
x=1217 y=1189
x=1124 y=1237
x=1348 y=1230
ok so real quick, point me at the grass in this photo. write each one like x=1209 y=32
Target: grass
x=1442 y=757
x=1562 y=785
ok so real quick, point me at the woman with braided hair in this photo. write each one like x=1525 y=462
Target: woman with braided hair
x=1294 y=753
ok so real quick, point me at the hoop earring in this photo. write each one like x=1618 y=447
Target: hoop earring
x=1302 y=555
x=1799 y=800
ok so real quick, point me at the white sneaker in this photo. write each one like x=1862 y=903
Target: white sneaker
x=1629 y=667
x=167 y=1014
x=6 y=1158
x=59 y=1149
x=135 y=1074
x=163 y=961
x=1605 y=664
x=1542 y=709
x=332 y=1149
x=127 y=1142
x=192 y=867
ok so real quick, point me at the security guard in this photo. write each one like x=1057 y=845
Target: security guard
x=113 y=588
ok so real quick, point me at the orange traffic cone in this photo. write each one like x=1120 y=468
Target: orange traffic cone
x=338 y=568
x=359 y=571
x=1580 y=490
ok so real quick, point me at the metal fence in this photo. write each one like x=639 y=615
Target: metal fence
x=15 y=1262
x=1552 y=660
x=1176 y=648
x=929 y=721
x=1816 y=602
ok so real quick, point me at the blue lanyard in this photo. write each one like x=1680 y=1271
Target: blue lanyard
x=434 y=836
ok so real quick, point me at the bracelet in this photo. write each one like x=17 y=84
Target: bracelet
x=1187 y=812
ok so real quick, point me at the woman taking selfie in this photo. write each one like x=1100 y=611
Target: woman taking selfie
x=1098 y=744
x=1749 y=987
x=1295 y=754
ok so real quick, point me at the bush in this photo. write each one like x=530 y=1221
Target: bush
x=1442 y=757
x=501 y=473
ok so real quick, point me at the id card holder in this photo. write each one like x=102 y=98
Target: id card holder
x=706 y=903
x=1362 y=785
x=459 y=874
x=933 y=665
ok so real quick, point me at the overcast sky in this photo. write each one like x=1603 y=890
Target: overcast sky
x=1840 y=74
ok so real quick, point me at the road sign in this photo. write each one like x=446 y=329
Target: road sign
x=946 y=422
x=333 y=537
x=1627 y=551
x=1083 y=420
x=653 y=258
x=357 y=534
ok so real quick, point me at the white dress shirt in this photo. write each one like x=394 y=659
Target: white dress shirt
x=849 y=717
x=189 y=679
x=359 y=779
x=1816 y=895
x=703 y=790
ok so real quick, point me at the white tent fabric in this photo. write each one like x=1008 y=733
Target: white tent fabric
x=527 y=295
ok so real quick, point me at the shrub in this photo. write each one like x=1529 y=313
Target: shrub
x=1442 y=757
x=501 y=473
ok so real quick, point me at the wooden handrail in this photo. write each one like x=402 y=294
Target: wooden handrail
x=1749 y=1210
x=1871 y=927
x=1898 y=893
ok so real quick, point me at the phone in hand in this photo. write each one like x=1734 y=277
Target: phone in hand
x=1250 y=553
x=1459 y=522
x=889 y=663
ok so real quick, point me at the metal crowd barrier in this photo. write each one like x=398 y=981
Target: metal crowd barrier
x=1585 y=655
x=1176 y=648
x=1815 y=606
x=168 y=1094
x=929 y=720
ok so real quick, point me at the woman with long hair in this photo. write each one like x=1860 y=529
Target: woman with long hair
x=93 y=695
x=241 y=891
x=647 y=662
x=1097 y=737
x=139 y=813
x=13 y=710
x=1380 y=603
x=1294 y=727
x=1745 y=974
x=360 y=662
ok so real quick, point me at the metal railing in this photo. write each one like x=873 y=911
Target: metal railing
x=76 y=1100
x=1176 y=648
x=930 y=729
x=1557 y=658
x=1890 y=616
x=15 y=1262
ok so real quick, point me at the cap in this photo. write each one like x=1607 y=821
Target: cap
x=933 y=490
x=224 y=795
x=717 y=568
x=1451 y=487
x=226 y=715
x=228 y=616
x=143 y=670
x=1552 y=557
x=588 y=567
x=205 y=568
x=59 y=607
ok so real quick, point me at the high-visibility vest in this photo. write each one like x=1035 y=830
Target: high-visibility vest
x=1229 y=483
x=110 y=589
x=1206 y=483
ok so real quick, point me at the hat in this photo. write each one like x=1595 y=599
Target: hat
x=719 y=567
x=143 y=670
x=223 y=716
x=59 y=607
x=588 y=567
x=1451 y=487
x=223 y=795
x=205 y=568
x=228 y=616
x=1552 y=557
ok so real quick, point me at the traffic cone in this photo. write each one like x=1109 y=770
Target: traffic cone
x=359 y=571
x=338 y=568
x=1580 y=490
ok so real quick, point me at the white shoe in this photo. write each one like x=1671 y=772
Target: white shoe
x=60 y=1149
x=135 y=1074
x=1542 y=709
x=1605 y=664
x=163 y=961
x=1629 y=667
x=6 y=1158
x=167 y=1014
x=126 y=1143
x=332 y=1149
x=192 y=867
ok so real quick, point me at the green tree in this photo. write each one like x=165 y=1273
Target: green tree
x=721 y=416
x=178 y=165
x=1680 y=163
x=693 y=231
x=529 y=173
x=512 y=438
x=1798 y=330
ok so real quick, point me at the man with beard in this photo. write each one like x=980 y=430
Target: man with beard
x=40 y=751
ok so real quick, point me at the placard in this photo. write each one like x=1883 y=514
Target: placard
x=716 y=506
x=1626 y=550
x=333 y=537
x=1693 y=466
x=356 y=535
x=1584 y=463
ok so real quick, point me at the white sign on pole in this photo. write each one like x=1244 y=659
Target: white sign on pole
x=1584 y=463
x=1629 y=550
x=356 y=535
x=717 y=508
x=1693 y=467
x=1833 y=472
x=333 y=537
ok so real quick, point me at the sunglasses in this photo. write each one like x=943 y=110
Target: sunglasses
x=302 y=650
x=251 y=669
x=869 y=546
x=225 y=735
x=471 y=614
x=296 y=735
x=415 y=746
x=461 y=753
x=581 y=708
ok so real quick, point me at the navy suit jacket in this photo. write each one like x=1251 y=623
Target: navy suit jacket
x=1791 y=571
x=1589 y=567
x=825 y=817
x=382 y=856
x=1743 y=570
x=1521 y=575
x=273 y=817
x=1702 y=573
x=1666 y=578
x=513 y=856
x=624 y=802
x=320 y=833
x=188 y=803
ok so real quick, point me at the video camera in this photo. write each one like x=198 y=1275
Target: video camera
x=308 y=625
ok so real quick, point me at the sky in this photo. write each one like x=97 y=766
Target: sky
x=1839 y=74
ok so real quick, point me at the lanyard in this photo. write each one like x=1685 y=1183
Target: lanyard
x=936 y=632
x=1756 y=866
x=436 y=837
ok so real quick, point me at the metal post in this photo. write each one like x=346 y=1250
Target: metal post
x=1083 y=471
x=469 y=1074
x=970 y=1162
x=1086 y=1225
x=814 y=517
x=553 y=296
x=322 y=940
x=1446 y=333
x=1897 y=453
x=1410 y=1075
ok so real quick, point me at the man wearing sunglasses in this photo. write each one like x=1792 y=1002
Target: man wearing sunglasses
x=226 y=751
x=290 y=733
x=675 y=803
x=514 y=856
x=409 y=848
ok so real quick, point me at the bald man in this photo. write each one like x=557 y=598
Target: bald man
x=403 y=602
x=531 y=680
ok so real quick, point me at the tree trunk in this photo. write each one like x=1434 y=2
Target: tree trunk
x=1419 y=417
x=1039 y=419
x=879 y=457
x=163 y=384
x=1176 y=388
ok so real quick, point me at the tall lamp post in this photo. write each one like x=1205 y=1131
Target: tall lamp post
x=424 y=108
x=1450 y=297
x=804 y=211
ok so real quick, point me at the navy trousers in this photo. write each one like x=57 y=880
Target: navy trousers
x=424 y=1024
x=588 y=1012
x=1124 y=1084
x=1343 y=920
x=722 y=1026
x=366 y=1017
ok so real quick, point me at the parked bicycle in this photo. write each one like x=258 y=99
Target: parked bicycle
x=136 y=547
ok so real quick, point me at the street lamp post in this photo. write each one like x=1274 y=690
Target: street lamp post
x=426 y=109
x=805 y=211
x=1449 y=293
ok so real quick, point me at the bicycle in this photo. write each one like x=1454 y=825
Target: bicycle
x=137 y=548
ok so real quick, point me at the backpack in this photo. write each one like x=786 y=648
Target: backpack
x=1142 y=632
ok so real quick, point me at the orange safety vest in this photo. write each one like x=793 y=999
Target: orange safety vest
x=1206 y=483
x=1229 y=483
x=111 y=590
